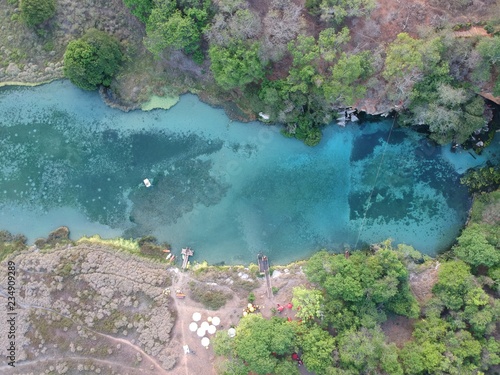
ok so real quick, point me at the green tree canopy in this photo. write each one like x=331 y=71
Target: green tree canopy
x=36 y=12
x=365 y=352
x=455 y=280
x=259 y=342
x=356 y=288
x=305 y=52
x=236 y=66
x=330 y=42
x=409 y=56
x=484 y=179
x=489 y=48
x=92 y=60
x=307 y=302
x=317 y=347
x=475 y=248
x=451 y=111
x=344 y=86
x=337 y=10
x=140 y=8
x=439 y=347
x=480 y=312
x=167 y=27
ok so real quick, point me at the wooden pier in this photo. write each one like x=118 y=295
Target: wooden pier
x=264 y=270
x=186 y=253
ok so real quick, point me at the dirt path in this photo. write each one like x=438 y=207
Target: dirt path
x=77 y=359
x=473 y=31
x=156 y=367
x=181 y=319
x=200 y=360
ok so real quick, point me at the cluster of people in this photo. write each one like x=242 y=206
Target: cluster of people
x=251 y=308
x=296 y=357
x=280 y=308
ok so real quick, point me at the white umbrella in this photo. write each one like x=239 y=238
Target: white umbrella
x=200 y=332
x=231 y=332
x=196 y=316
x=193 y=326
x=205 y=341
x=211 y=329
x=215 y=320
x=204 y=325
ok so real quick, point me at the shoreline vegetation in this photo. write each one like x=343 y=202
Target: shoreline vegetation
x=26 y=84
x=303 y=62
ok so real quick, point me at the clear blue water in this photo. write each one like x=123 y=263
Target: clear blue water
x=227 y=189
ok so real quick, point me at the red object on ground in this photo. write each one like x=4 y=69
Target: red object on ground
x=289 y=319
x=289 y=305
x=295 y=356
x=281 y=308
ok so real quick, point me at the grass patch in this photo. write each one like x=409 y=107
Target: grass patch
x=107 y=324
x=65 y=269
x=211 y=298
x=145 y=247
x=129 y=246
x=245 y=285
x=10 y=243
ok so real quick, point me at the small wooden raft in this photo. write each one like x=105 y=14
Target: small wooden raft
x=186 y=253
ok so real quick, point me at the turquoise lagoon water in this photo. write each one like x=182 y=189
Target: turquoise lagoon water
x=227 y=189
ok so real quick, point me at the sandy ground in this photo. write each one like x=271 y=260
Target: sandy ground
x=203 y=360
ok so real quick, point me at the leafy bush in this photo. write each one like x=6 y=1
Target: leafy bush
x=140 y=8
x=489 y=29
x=176 y=25
x=483 y=179
x=251 y=297
x=10 y=243
x=476 y=246
x=92 y=60
x=150 y=248
x=36 y=12
x=338 y=10
x=236 y=66
x=211 y=298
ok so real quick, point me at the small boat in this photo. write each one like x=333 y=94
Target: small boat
x=166 y=250
x=172 y=258
x=147 y=182
x=168 y=256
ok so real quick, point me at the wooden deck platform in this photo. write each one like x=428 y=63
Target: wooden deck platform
x=264 y=270
x=186 y=253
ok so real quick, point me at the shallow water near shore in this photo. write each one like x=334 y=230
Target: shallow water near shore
x=227 y=189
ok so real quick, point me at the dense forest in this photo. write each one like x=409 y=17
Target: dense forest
x=450 y=313
x=296 y=63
